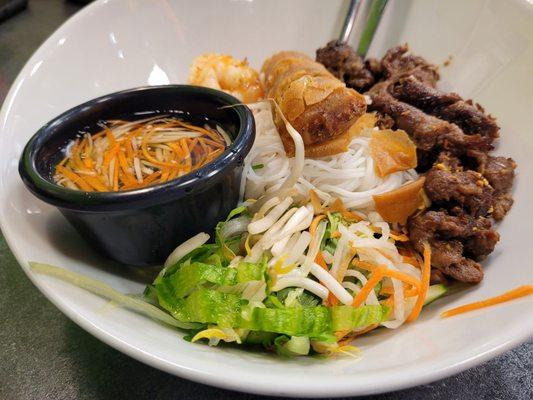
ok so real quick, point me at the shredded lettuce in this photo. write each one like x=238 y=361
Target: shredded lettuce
x=207 y=307
x=228 y=246
x=292 y=297
x=194 y=274
x=348 y=317
x=291 y=321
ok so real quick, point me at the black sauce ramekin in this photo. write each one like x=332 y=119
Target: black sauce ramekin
x=142 y=226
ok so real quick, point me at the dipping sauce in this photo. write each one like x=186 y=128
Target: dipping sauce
x=127 y=155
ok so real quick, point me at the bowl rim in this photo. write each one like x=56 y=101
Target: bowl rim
x=176 y=188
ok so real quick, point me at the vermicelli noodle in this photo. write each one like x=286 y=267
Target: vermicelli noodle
x=349 y=176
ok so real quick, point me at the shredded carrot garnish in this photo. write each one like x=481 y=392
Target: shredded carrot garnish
x=390 y=291
x=376 y=276
x=128 y=155
x=365 y=265
x=319 y=259
x=520 y=291
x=314 y=223
x=332 y=300
x=381 y=271
x=387 y=272
x=426 y=274
x=390 y=273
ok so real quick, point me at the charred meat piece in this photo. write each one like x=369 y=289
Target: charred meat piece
x=344 y=62
x=453 y=136
x=398 y=62
x=375 y=68
x=467 y=189
x=482 y=242
x=424 y=129
x=470 y=118
x=427 y=131
x=456 y=242
x=467 y=271
x=449 y=161
x=410 y=90
x=501 y=204
x=448 y=106
x=499 y=172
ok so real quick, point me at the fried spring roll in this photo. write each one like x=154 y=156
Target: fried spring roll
x=318 y=105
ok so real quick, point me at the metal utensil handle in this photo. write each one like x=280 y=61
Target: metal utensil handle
x=349 y=21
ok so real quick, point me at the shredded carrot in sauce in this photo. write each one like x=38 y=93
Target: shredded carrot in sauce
x=520 y=291
x=127 y=155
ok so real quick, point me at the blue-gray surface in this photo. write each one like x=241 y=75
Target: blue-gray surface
x=43 y=355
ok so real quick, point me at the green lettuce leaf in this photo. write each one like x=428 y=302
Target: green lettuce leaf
x=207 y=307
x=229 y=246
x=348 y=317
x=290 y=321
x=193 y=274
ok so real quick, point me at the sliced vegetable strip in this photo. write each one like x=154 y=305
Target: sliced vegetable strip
x=520 y=291
x=426 y=274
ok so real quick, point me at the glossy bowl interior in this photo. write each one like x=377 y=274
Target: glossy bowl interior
x=142 y=226
x=141 y=42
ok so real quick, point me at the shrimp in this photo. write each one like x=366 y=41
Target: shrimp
x=223 y=72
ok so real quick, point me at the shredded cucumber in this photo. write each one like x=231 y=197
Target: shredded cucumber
x=435 y=292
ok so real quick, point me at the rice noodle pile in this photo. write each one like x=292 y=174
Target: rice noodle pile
x=349 y=176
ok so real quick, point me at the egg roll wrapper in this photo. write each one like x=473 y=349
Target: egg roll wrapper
x=317 y=105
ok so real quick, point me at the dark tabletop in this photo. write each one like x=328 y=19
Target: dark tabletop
x=43 y=355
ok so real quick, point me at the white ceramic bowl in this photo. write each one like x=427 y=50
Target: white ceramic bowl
x=118 y=44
